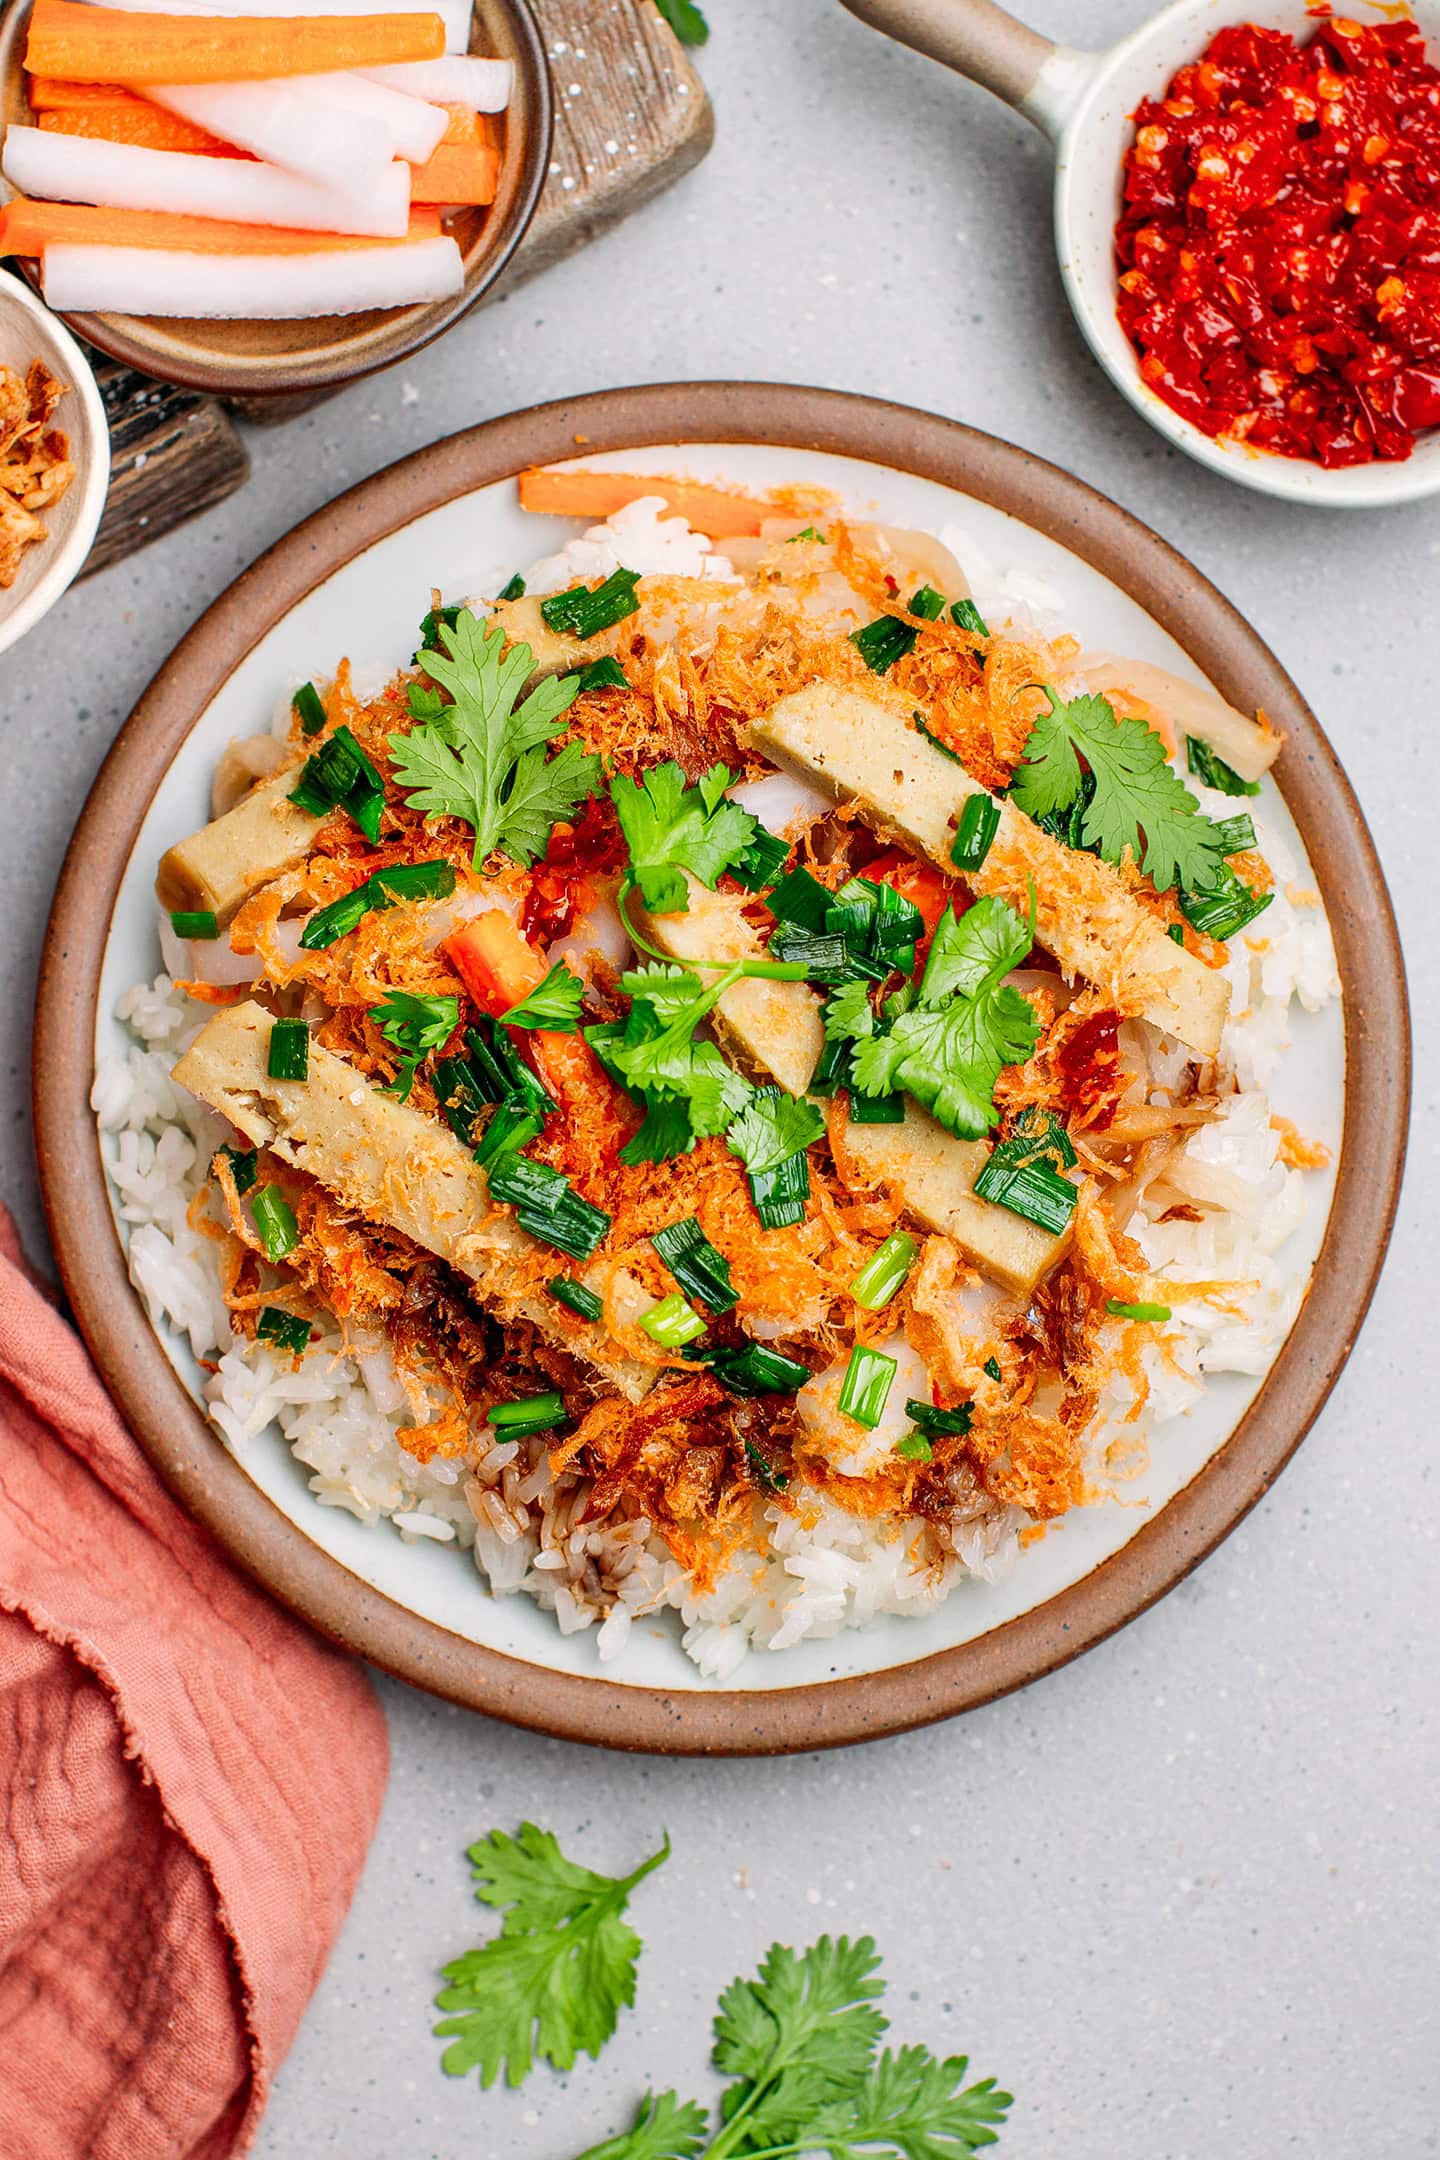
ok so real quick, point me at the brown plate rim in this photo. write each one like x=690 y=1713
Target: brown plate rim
x=194 y=1461
x=395 y=333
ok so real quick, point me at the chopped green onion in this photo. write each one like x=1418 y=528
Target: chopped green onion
x=826 y=956
x=547 y=1205
x=780 y=1194
x=1033 y=1190
x=515 y=590
x=869 y=1377
x=882 y=642
x=967 y=616
x=581 y=1301
x=774 y=1480
x=884 y=1272
x=275 y=1221
x=1122 y=1311
x=762 y=861
x=194 y=923
x=289 y=1051
x=1039 y=1134
x=992 y=1366
x=458 y=1096
x=244 y=1166
x=513 y=1124
x=1224 y=906
x=754 y=1370
x=383 y=889
x=1237 y=834
x=975 y=833
x=286 y=1330
x=831 y=1067
x=876 y=1109
x=430 y=626
x=701 y=1270
x=807 y=533
x=1175 y=932
x=937 y=1423
x=605 y=674
x=918 y=722
x=672 y=1323
x=309 y=709
x=915 y=1448
x=584 y=614
x=928 y=603
x=800 y=898
x=1212 y=771
x=527 y=1414
x=341 y=777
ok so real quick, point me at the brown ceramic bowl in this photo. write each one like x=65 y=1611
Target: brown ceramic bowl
x=185 y=1447
x=256 y=359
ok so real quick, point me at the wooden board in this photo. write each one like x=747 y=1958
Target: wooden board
x=631 y=116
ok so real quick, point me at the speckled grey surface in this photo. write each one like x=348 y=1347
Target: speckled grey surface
x=1181 y=1897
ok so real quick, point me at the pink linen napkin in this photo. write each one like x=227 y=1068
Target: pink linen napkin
x=188 y=1783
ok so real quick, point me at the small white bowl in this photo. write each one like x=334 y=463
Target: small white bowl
x=28 y=331
x=1085 y=102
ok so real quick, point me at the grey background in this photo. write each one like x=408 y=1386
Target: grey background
x=1181 y=1897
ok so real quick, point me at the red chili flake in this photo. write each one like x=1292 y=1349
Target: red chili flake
x=560 y=885
x=1086 y=1061
x=1279 y=248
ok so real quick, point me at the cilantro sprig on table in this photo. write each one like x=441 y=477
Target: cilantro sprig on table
x=552 y=1983
x=946 y=1044
x=483 y=758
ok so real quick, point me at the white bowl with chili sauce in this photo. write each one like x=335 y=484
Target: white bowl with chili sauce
x=28 y=331
x=1084 y=103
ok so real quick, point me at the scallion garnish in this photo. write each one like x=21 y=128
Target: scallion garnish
x=824 y=955
x=800 y=898
x=966 y=616
x=309 y=708
x=1212 y=771
x=1237 y=834
x=286 y=1330
x=672 y=1323
x=515 y=590
x=876 y=1109
x=806 y=532
x=1223 y=907
x=1175 y=932
x=772 y=1479
x=1122 y=1311
x=584 y=614
x=832 y=1067
x=927 y=603
x=753 y=1370
x=527 y=1414
x=275 y=1221
x=383 y=889
x=882 y=642
x=939 y=1424
x=582 y=1302
x=244 y=1166
x=884 y=1272
x=289 y=1057
x=975 y=833
x=194 y=923
x=992 y=1366
x=341 y=777
x=922 y=727
x=1039 y=1134
x=762 y=862
x=604 y=674
x=701 y=1270
x=1032 y=1189
x=513 y=1124
x=869 y=1377
x=915 y=1448
x=780 y=1195
x=547 y=1205
x=430 y=623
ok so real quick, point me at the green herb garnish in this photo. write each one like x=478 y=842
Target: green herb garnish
x=699 y=1267
x=244 y=1166
x=582 y=1301
x=975 y=833
x=527 y=1414
x=753 y=1370
x=275 y=1222
x=672 y=1323
x=1212 y=771
x=286 y=1330
x=547 y=1205
x=414 y=1026
x=966 y=616
x=515 y=590
x=341 y=777
x=194 y=923
x=309 y=709
x=762 y=862
x=670 y=827
x=381 y=890
x=770 y=1136
x=686 y=20
x=1122 y=1311
x=1033 y=1188
x=603 y=674
x=939 y=1424
x=914 y=1447
x=581 y=613
x=1223 y=905
x=553 y=1004
x=289 y=1054
x=869 y=1377
x=885 y=1271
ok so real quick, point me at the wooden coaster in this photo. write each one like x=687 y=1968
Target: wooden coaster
x=631 y=115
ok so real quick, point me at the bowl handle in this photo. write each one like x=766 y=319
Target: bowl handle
x=1039 y=78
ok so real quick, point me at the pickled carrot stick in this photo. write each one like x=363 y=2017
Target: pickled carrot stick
x=580 y=492
x=99 y=44
x=464 y=126
x=33 y=228
x=456 y=13
x=123 y=176
x=341 y=279
x=47 y=94
x=135 y=120
x=457 y=173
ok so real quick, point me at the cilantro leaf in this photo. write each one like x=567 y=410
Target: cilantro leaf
x=483 y=758
x=1139 y=802
x=554 y=1004
x=948 y=1048
x=664 y=985
x=657 y=1054
x=848 y=1013
x=773 y=1127
x=911 y=2105
x=552 y=1983
x=801 y=2031
x=414 y=1026
x=665 y=1132
x=670 y=827
x=690 y=26
x=664 y=2129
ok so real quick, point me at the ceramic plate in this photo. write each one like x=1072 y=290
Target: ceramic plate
x=355 y=579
